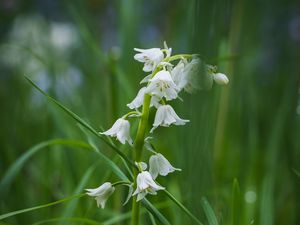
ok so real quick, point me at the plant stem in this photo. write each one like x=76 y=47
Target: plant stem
x=138 y=148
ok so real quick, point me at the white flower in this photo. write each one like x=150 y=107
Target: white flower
x=151 y=57
x=186 y=75
x=162 y=85
x=101 y=193
x=145 y=185
x=160 y=165
x=220 y=78
x=178 y=75
x=120 y=130
x=165 y=116
x=191 y=75
x=139 y=100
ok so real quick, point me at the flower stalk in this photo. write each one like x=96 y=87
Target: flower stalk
x=138 y=149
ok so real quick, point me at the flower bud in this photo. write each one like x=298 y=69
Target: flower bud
x=220 y=78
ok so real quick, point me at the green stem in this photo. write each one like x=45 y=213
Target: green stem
x=180 y=56
x=138 y=149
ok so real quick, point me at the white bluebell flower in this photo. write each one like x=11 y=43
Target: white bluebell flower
x=101 y=193
x=120 y=130
x=145 y=185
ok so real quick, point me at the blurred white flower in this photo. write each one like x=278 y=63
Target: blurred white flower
x=101 y=193
x=151 y=57
x=63 y=35
x=145 y=185
x=120 y=130
x=220 y=78
x=191 y=75
x=159 y=165
x=177 y=75
x=165 y=116
x=162 y=85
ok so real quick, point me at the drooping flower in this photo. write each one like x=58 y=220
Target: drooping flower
x=145 y=185
x=159 y=165
x=162 y=85
x=139 y=99
x=165 y=116
x=101 y=193
x=151 y=57
x=220 y=78
x=120 y=130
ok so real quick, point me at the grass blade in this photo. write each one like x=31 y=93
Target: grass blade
x=15 y=168
x=235 y=208
x=209 y=212
x=82 y=122
x=68 y=211
x=151 y=208
x=10 y=214
x=182 y=207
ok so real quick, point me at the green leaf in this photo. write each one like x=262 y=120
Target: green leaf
x=6 y=215
x=235 y=208
x=72 y=205
x=211 y=217
x=82 y=122
x=182 y=207
x=15 y=168
x=109 y=162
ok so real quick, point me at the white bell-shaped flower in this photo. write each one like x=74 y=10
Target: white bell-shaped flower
x=165 y=116
x=151 y=57
x=159 y=165
x=139 y=100
x=120 y=130
x=220 y=78
x=162 y=85
x=101 y=193
x=145 y=185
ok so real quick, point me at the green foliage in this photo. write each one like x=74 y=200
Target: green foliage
x=247 y=132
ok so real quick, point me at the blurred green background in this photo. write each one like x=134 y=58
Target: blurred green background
x=241 y=149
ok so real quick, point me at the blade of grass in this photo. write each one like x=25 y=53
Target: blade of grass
x=15 y=168
x=235 y=208
x=151 y=208
x=82 y=122
x=114 y=167
x=209 y=212
x=10 y=214
x=182 y=207
x=72 y=205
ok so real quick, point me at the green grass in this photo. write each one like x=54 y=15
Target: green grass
x=243 y=139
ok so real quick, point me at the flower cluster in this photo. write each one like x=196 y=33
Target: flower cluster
x=164 y=83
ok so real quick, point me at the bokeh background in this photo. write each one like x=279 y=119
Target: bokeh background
x=241 y=149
